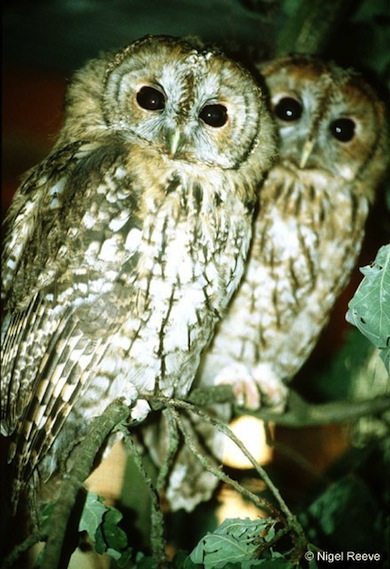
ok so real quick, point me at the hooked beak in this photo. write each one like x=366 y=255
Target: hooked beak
x=175 y=140
x=306 y=151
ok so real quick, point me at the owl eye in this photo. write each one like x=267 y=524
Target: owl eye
x=214 y=115
x=150 y=99
x=342 y=129
x=288 y=109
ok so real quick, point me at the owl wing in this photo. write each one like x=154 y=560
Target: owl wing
x=39 y=193
x=63 y=306
x=20 y=253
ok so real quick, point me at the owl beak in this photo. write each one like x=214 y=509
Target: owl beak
x=174 y=141
x=307 y=150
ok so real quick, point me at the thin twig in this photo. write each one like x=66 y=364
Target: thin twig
x=292 y=520
x=303 y=414
x=259 y=502
x=157 y=519
x=173 y=445
x=300 y=413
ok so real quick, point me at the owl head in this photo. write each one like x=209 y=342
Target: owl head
x=185 y=101
x=328 y=118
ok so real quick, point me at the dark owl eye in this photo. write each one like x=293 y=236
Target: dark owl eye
x=342 y=129
x=288 y=109
x=214 y=115
x=150 y=99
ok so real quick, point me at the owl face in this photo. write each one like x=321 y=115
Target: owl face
x=328 y=118
x=183 y=101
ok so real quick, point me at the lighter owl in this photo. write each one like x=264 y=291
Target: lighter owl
x=307 y=234
x=124 y=246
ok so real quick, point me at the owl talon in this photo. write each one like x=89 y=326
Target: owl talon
x=243 y=385
x=139 y=412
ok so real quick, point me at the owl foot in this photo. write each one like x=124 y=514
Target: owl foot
x=244 y=387
x=140 y=411
x=273 y=391
x=255 y=388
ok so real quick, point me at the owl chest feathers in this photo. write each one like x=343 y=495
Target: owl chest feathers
x=304 y=231
x=153 y=259
x=140 y=263
x=181 y=262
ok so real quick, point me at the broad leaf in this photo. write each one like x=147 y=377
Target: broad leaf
x=233 y=544
x=92 y=515
x=369 y=309
x=109 y=536
x=101 y=523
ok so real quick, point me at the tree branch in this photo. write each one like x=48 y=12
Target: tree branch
x=300 y=413
x=303 y=414
x=84 y=457
x=261 y=503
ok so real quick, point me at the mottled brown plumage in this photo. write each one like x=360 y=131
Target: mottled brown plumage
x=309 y=227
x=126 y=243
x=307 y=234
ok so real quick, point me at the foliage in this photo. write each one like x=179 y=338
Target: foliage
x=352 y=512
x=237 y=543
x=330 y=515
x=102 y=524
x=369 y=308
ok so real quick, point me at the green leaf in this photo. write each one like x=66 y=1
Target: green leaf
x=109 y=537
x=101 y=523
x=92 y=514
x=346 y=514
x=369 y=309
x=234 y=543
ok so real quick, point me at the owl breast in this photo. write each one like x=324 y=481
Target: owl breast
x=303 y=233
x=138 y=300
x=190 y=256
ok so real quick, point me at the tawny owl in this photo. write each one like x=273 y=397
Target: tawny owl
x=126 y=243
x=308 y=230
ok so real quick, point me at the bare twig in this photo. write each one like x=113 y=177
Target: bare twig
x=300 y=413
x=256 y=500
x=173 y=445
x=304 y=414
x=157 y=519
x=223 y=428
